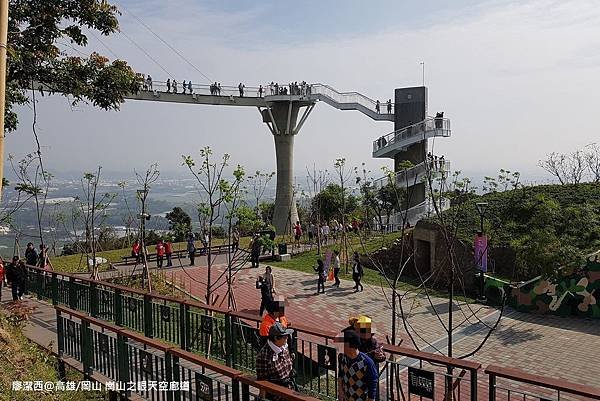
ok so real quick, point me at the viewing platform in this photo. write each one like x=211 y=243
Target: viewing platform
x=390 y=144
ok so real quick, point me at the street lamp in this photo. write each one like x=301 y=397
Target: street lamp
x=481 y=207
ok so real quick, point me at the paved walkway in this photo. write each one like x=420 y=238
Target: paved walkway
x=567 y=348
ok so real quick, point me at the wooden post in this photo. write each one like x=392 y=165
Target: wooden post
x=3 y=44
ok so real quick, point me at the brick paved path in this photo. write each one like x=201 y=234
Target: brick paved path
x=530 y=342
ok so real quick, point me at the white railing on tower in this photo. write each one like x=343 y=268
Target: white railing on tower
x=351 y=97
x=437 y=125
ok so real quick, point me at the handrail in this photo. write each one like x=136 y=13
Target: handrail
x=438 y=125
x=434 y=358
x=555 y=384
x=443 y=166
x=231 y=373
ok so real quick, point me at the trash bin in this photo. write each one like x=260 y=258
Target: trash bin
x=282 y=249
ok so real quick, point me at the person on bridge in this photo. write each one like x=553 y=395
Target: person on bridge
x=31 y=256
x=191 y=248
x=271 y=88
x=389 y=106
x=168 y=85
x=322 y=276
x=357 y=272
x=357 y=374
x=149 y=82
x=169 y=253
x=274 y=362
x=184 y=86
x=190 y=87
x=174 y=86
x=377 y=107
x=219 y=89
x=260 y=91
x=241 y=87
x=160 y=253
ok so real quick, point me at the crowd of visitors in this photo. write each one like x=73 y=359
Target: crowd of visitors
x=14 y=273
x=436 y=163
x=274 y=88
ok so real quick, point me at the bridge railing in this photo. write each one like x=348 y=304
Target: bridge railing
x=351 y=97
x=153 y=369
x=201 y=89
x=439 y=126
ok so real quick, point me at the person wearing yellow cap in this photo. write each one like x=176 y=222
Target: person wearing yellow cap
x=362 y=325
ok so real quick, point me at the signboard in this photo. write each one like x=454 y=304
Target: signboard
x=165 y=313
x=70 y=329
x=480 y=246
x=132 y=304
x=146 y=362
x=103 y=343
x=204 y=388
x=206 y=324
x=421 y=382
x=326 y=357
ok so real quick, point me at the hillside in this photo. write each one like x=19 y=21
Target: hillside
x=546 y=226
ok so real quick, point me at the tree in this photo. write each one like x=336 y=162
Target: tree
x=247 y=220
x=259 y=182
x=592 y=158
x=145 y=180
x=35 y=30
x=179 y=222
x=328 y=202
x=568 y=169
x=216 y=191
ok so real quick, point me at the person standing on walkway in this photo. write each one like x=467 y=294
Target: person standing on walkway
x=169 y=253
x=135 y=251
x=255 y=247
x=357 y=373
x=260 y=91
x=190 y=87
x=184 y=85
x=16 y=276
x=174 y=86
x=357 y=272
x=297 y=233
x=320 y=269
x=266 y=285
x=168 y=85
x=336 y=268
x=31 y=255
x=368 y=343
x=389 y=106
x=325 y=233
x=235 y=239
x=241 y=89
x=160 y=253
x=191 y=248
x=377 y=107
x=274 y=362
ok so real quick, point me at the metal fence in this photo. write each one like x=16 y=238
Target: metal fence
x=111 y=326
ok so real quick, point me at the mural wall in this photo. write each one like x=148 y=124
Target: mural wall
x=575 y=294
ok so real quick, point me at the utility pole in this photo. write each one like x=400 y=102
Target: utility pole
x=423 y=65
x=3 y=45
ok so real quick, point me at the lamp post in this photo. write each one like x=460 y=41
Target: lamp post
x=481 y=207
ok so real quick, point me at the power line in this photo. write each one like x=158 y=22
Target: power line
x=146 y=53
x=167 y=44
x=104 y=44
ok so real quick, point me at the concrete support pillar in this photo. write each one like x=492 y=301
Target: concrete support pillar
x=284 y=114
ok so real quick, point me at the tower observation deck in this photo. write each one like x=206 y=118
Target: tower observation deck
x=285 y=112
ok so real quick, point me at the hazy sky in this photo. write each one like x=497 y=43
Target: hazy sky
x=518 y=79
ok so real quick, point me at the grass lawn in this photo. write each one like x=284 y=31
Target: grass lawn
x=305 y=262
x=78 y=264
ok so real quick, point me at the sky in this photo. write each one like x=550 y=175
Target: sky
x=518 y=80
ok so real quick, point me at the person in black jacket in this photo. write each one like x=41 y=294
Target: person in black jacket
x=31 y=255
x=16 y=276
x=265 y=284
x=357 y=272
x=320 y=269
